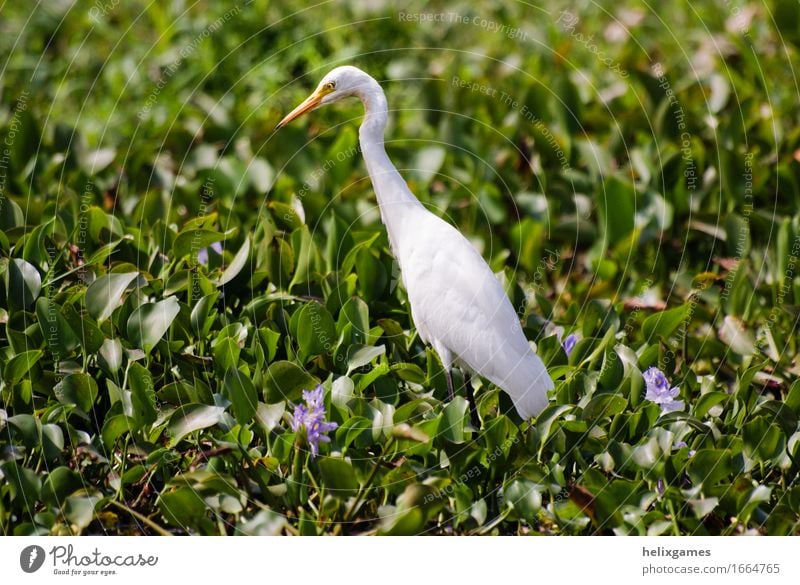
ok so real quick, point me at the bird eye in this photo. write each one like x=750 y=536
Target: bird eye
x=331 y=85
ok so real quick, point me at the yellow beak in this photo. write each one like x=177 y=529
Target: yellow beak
x=310 y=103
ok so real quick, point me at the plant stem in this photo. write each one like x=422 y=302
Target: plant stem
x=364 y=488
x=675 y=528
x=142 y=518
x=496 y=522
x=252 y=464
x=122 y=464
x=293 y=484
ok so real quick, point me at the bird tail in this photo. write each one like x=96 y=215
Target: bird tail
x=528 y=384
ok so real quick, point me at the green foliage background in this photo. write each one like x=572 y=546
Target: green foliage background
x=631 y=173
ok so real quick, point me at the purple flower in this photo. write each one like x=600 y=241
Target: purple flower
x=569 y=343
x=658 y=391
x=202 y=255
x=311 y=417
x=682 y=444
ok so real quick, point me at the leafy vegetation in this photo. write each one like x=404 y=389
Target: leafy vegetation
x=175 y=274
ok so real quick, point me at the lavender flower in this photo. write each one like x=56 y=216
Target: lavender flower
x=658 y=391
x=311 y=417
x=660 y=487
x=569 y=343
x=202 y=255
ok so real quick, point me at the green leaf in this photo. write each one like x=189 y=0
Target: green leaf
x=353 y=428
x=616 y=208
x=269 y=416
x=116 y=426
x=454 y=418
x=524 y=497
x=226 y=353
x=19 y=365
x=105 y=294
x=733 y=333
x=84 y=327
x=109 y=356
x=203 y=315
x=182 y=507
x=372 y=277
x=710 y=466
x=143 y=393
x=190 y=241
x=24 y=483
x=406 y=522
x=342 y=390
x=748 y=502
x=409 y=372
x=148 y=323
x=60 y=483
x=11 y=215
x=361 y=356
x=60 y=338
x=354 y=313
x=737 y=229
x=702 y=507
x=237 y=264
x=52 y=440
x=239 y=389
x=269 y=340
x=338 y=477
x=263 y=523
x=286 y=381
x=547 y=419
x=23 y=286
x=708 y=401
x=664 y=323
x=604 y=405
x=192 y=417
x=763 y=440
x=77 y=388
x=304 y=252
x=79 y=511
x=286 y=215
x=314 y=329
x=36 y=246
x=406 y=432
x=792 y=399
x=26 y=428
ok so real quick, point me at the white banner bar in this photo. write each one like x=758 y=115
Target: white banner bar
x=349 y=560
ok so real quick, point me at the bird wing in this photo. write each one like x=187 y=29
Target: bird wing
x=458 y=303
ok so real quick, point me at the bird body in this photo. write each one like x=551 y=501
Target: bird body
x=458 y=305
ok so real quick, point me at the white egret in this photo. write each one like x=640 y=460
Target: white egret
x=457 y=304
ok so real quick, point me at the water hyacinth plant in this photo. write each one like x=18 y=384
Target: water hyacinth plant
x=202 y=254
x=310 y=418
x=659 y=391
x=569 y=343
x=174 y=275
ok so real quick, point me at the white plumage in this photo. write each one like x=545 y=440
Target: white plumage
x=457 y=303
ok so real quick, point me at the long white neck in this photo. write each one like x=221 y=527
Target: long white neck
x=394 y=197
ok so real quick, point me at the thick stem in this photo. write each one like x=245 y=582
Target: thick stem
x=142 y=518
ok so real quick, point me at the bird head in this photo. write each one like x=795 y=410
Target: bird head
x=340 y=83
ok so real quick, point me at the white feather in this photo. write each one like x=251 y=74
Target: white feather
x=457 y=304
x=460 y=308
